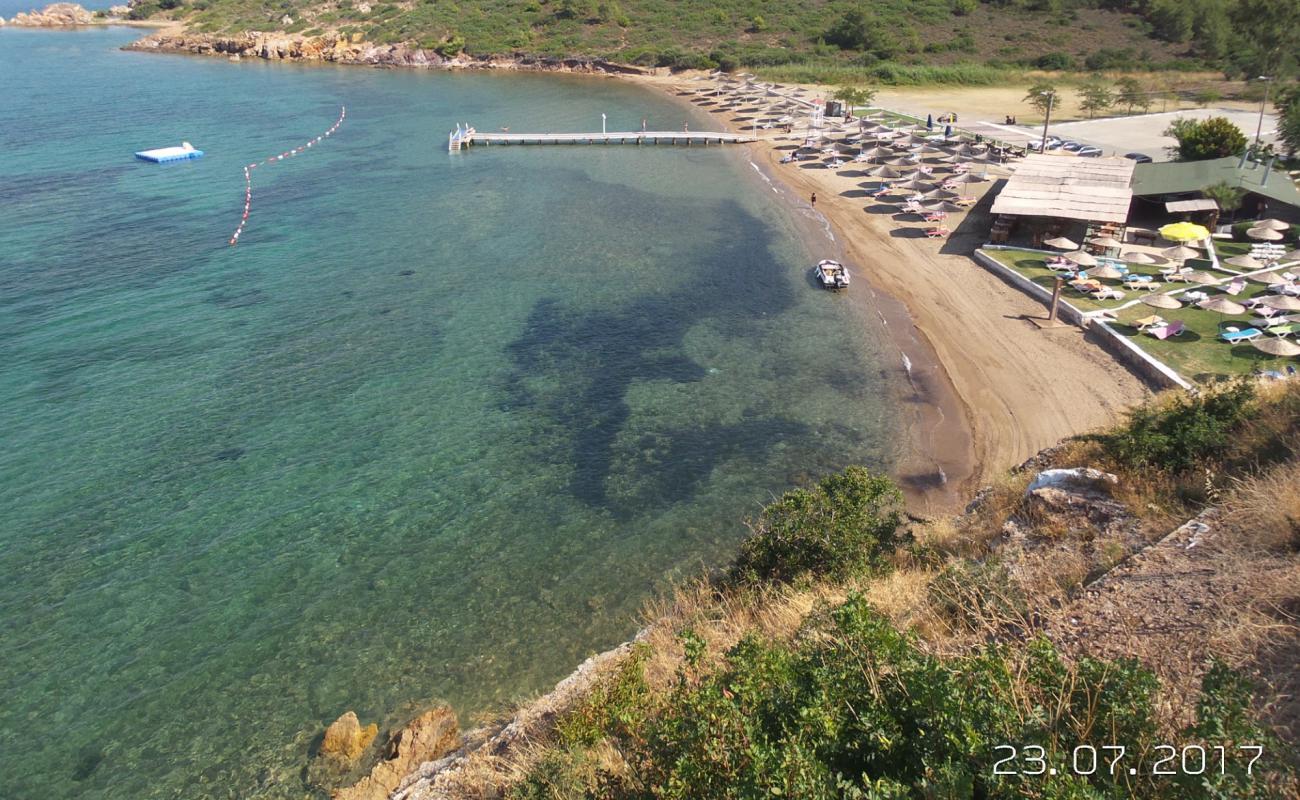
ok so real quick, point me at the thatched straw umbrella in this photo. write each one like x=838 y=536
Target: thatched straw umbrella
x=1061 y=243
x=965 y=149
x=1222 y=305
x=1081 y=258
x=1180 y=252
x=1243 y=261
x=1139 y=257
x=916 y=185
x=1272 y=224
x=1281 y=302
x=884 y=172
x=944 y=194
x=1201 y=277
x=1162 y=301
x=1277 y=346
x=1294 y=255
x=1266 y=278
x=1264 y=234
x=1106 y=273
x=1106 y=241
x=946 y=207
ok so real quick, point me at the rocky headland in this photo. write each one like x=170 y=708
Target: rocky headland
x=341 y=49
x=55 y=15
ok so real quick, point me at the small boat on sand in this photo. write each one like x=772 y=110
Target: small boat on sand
x=832 y=274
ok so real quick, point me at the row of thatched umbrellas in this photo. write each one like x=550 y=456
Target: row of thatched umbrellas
x=1268 y=230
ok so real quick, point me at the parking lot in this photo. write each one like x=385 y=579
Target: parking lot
x=1144 y=133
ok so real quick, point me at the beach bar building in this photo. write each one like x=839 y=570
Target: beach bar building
x=1176 y=188
x=1052 y=195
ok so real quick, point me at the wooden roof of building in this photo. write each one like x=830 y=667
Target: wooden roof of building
x=1068 y=187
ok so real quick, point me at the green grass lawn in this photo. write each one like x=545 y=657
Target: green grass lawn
x=1198 y=354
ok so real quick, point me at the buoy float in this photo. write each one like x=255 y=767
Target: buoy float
x=248 y=172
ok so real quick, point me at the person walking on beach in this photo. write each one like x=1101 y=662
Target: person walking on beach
x=643 y=124
x=686 y=127
x=813 y=200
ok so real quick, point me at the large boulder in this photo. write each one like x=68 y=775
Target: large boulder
x=429 y=736
x=1077 y=479
x=346 y=740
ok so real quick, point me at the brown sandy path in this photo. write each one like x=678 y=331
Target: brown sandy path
x=1020 y=389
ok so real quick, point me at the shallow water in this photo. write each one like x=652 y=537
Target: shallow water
x=432 y=431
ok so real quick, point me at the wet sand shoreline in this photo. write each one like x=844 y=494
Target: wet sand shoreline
x=988 y=388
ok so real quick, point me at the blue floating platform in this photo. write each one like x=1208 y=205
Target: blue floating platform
x=163 y=155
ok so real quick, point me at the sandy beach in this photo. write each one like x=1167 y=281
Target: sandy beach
x=992 y=388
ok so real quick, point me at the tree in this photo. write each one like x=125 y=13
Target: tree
x=853 y=96
x=1199 y=140
x=1131 y=94
x=1272 y=46
x=858 y=30
x=1228 y=197
x=1040 y=95
x=1095 y=96
x=1288 y=111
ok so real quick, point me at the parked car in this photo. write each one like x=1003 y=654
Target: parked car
x=1088 y=151
x=1052 y=144
x=1141 y=158
x=1071 y=146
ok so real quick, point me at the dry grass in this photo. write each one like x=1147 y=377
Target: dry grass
x=720 y=618
x=1262 y=512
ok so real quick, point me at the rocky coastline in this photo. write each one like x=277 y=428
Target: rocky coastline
x=354 y=50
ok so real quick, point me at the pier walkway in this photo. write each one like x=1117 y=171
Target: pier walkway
x=465 y=136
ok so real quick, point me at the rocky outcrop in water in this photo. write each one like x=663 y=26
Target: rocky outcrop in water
x=341 y=49
x=429 y=736
x=55 y=15
x=345 y=739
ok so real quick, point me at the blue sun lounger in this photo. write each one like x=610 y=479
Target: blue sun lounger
x=1241 y=336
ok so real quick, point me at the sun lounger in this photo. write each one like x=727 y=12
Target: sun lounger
x=936 y=233
x=1133 y=281
x=1108 y=293
x=1233 y=336
x=1167 y=331
x=1284 y=330
x=1153 y=321
x=1236 y=287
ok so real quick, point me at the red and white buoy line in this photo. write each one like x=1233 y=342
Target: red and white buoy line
x=248 y=171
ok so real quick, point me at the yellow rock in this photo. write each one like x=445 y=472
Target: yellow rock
x=429 y=736
x=346 y=740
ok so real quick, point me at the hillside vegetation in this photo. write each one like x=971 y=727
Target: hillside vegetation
x=1046 y=34
x=850 y=653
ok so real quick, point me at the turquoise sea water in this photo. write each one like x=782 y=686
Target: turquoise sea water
x=431 y=432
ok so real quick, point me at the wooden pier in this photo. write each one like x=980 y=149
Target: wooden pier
x=465 y=136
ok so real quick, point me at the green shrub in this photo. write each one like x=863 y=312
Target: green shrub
x=854 y=708
x=614 y=706
x=1182 y=434
x=847 y=523
x=451 y=46
x=1055 y=61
